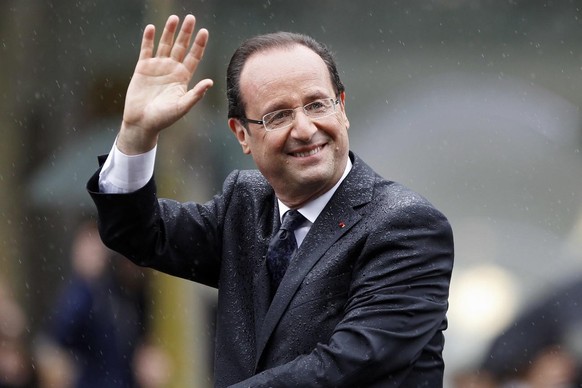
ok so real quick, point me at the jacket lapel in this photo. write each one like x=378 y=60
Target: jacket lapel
x=337 y=218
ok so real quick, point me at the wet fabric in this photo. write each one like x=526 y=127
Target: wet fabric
x=362 y=304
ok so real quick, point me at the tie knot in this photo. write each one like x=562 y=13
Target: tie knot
x=291 y=220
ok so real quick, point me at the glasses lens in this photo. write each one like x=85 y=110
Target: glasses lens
x=278 y=119
x=320 y=108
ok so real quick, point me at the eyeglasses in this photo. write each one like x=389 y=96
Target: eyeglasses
x=283 y=118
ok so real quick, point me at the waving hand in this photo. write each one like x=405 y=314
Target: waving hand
x=158 y=94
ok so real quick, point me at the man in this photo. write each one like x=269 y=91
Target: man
x=364 y=297
x=99 y=318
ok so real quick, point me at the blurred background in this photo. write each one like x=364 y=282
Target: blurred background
x=473 y=103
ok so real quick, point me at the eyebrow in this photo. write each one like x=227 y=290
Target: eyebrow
x=280 y=105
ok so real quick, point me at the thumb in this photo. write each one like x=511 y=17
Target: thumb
x=197 y=92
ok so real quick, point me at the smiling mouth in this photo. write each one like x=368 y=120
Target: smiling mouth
x=307 y=153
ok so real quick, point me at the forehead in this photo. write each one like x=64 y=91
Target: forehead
x=284 y=73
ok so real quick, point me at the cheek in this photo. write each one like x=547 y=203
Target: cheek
x=342 y=141
x=265 y=147
x=346 y=121
x=273 y=142
x=341 y=130
x=343 y=119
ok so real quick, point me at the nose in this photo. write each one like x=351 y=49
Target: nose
x=303 y=127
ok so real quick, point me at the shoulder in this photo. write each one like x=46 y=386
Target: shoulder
x=392 y=200
x=247 y=185
x=401 y=205
x=395 y=195
x=385 y=192
x=246 y=179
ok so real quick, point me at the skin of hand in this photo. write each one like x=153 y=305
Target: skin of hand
x=158 y=93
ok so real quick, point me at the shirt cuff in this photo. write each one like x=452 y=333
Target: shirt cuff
x=123 y=173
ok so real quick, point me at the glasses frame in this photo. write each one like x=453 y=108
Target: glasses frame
x=335 y=102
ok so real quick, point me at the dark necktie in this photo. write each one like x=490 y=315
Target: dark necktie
x=283 y=246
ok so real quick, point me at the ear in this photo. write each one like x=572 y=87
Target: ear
x=241 y=134
x=343 y=109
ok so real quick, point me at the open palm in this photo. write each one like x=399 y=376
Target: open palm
x=158 y=93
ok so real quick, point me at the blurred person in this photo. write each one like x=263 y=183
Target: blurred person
x=542 y=347
x=15 y=364
x=98 y=321
x=353 y=291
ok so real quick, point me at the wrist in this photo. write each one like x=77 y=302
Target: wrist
x=135 y=140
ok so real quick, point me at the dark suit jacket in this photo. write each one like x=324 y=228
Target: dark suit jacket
x=363 y=303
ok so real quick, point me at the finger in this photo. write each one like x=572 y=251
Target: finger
x=147 y=42
x=197 y=50
x=196 y=93
x=167 y=38
x=183 y=41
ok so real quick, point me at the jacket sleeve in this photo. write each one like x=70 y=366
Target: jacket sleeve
x=395 y=313
x=180 y=239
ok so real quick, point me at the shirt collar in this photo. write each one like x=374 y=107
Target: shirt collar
x=312 y=209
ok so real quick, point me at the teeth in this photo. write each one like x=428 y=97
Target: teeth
x=309 y=153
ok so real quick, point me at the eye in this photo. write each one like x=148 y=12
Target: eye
x=319 y=106
x=278 y=118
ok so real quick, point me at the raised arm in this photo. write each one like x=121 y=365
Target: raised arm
x=158 y=94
